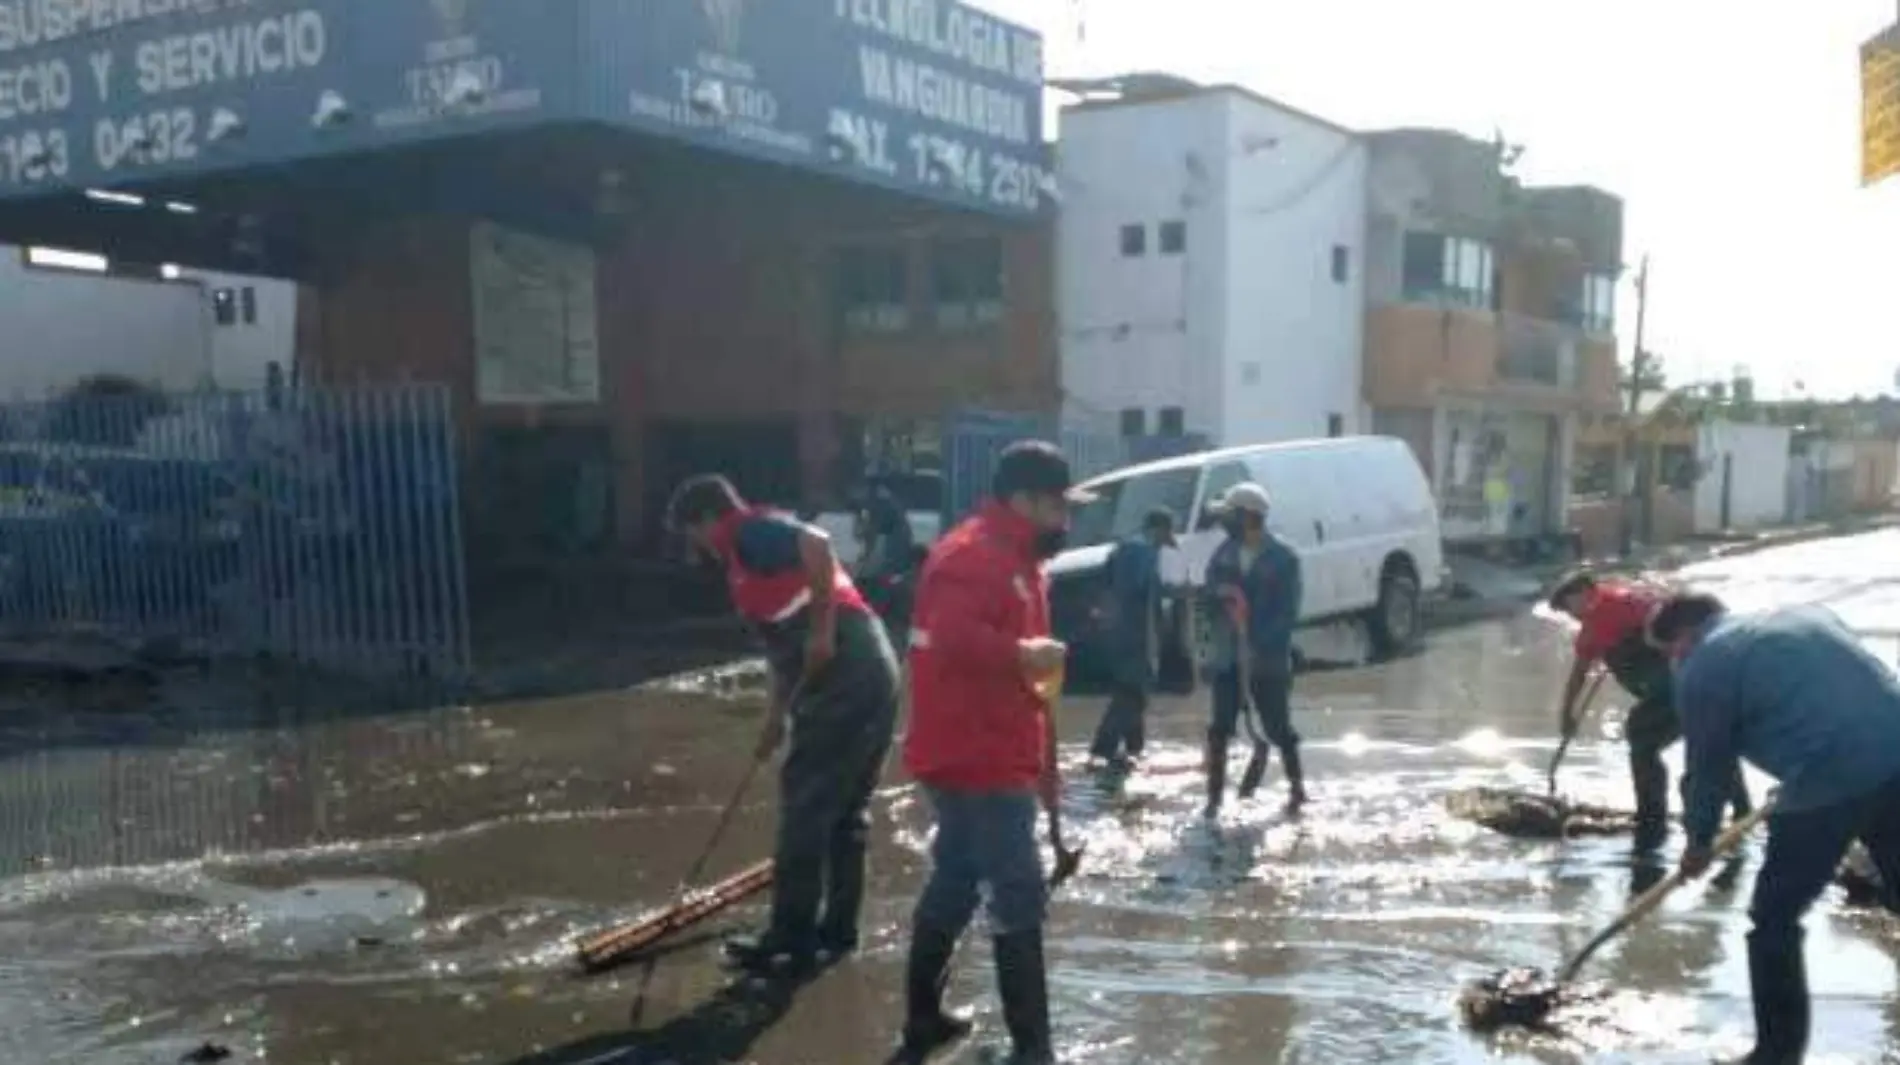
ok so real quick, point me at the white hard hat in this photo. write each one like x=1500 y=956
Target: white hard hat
x=1246 y=496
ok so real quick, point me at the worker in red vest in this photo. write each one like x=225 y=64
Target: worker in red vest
x=981 y=664
x=835 y=682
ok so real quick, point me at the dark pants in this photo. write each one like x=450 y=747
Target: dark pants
x=1804 y=849
x=1123 y=729
x=1271 y=692
x=985 y=839
x=840 y=734
x=1651 y=728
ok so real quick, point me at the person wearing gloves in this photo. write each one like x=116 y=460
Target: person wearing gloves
x=1252 y=593
x=1793 y=693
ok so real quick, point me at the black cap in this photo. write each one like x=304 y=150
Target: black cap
x=1030 y=467
x=1160 y=520
x=700 y=498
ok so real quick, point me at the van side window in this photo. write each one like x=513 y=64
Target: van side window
x=1219 y=479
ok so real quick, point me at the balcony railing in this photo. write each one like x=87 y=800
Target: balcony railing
x=1538 y=352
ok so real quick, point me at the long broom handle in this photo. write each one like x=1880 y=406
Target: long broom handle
x=1583 y=715
x=1647 y=902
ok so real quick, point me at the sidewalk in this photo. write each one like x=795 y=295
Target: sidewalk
x=1481 y=589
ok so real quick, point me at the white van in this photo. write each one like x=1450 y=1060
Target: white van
x=1358 y=509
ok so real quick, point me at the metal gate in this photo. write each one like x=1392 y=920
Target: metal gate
x=318 y=525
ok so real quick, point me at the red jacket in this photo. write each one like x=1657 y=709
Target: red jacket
x=975 y=723
x=1614 y=611
x=774 y=594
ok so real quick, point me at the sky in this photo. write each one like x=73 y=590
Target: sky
x=1729 y=127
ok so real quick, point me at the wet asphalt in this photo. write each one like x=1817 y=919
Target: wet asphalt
x=327 y=889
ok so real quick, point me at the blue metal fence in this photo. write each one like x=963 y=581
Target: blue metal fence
x=318 y=525
x=974 y=439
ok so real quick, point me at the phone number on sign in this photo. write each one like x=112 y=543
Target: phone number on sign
x=156 y=137
x=1001 y=179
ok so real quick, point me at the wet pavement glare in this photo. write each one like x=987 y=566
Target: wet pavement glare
x=407 y=889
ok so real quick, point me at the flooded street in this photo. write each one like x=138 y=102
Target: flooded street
x=408 y=888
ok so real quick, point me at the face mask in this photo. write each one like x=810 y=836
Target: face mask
x=1050 y=542
x=1234 y=524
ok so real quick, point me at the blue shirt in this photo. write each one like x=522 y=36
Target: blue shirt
x=1794 y=693
x=1134 y=590
x=1272 y=586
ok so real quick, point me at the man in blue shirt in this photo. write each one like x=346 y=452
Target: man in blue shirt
x=1252 y=580
x=1134 y=606
x=1794 y=693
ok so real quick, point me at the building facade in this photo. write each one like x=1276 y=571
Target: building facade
x=1211 y=281
x=1490 y=326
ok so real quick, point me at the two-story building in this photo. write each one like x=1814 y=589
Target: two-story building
x=1490 y=326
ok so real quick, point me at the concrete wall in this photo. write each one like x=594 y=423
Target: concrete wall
x=1876 y=467
x=1748 y=464
x=1247 y=331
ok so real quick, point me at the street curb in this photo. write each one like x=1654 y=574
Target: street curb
x=1450 y=613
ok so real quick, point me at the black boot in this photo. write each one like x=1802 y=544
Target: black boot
x=1295 y=778
x=927 y=1027
x=1256 y=771
x=1025 y=989
x=1778 y=979
x=1216 y=758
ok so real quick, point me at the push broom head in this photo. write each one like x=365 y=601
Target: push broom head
x=1514 y=998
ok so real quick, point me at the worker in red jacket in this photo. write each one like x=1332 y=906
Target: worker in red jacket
x=835 y=680
x=979 y=742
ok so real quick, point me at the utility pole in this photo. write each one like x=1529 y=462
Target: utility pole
x=1631 y=466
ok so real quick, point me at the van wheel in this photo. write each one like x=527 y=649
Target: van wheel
x=1395 y=621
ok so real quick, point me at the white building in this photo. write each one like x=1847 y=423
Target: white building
x=1209 y=264
x=66 y=316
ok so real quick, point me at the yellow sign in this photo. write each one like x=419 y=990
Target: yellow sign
x=1880 y=107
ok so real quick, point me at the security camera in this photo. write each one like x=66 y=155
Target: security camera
x=1049 y=187
x=225 y=125
x=709 y=98
x=465 y=89
x=332 y=110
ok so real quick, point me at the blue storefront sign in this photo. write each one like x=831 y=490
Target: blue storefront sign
x=112 y=93
x=928 y=96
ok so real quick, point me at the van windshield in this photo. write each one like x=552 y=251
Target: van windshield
x=1120 y=503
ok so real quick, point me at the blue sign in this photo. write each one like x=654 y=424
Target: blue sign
x=112 y=93
x=927 y=96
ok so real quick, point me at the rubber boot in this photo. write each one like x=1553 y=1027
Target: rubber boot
x=927 y=1027
x=1256 y=771
x=1778 y=979
x=1025 y=990
x=1295 y=778
x=1216 y=758
x=1650 y=779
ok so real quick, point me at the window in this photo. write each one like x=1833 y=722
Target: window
x=1335 y=425
x=1134 y=240
x=1342 y=263
x=247 y=298
x=1168 y=422
x=224 y=306
x=1219 y=480
x=1173 y=237
x=1116 y=508
x=872 y=287
x=966 y=281
x=1453 y=269
x=1134 y=422
x=1599 y=303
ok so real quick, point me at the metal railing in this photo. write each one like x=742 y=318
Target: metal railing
x=320 y=526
